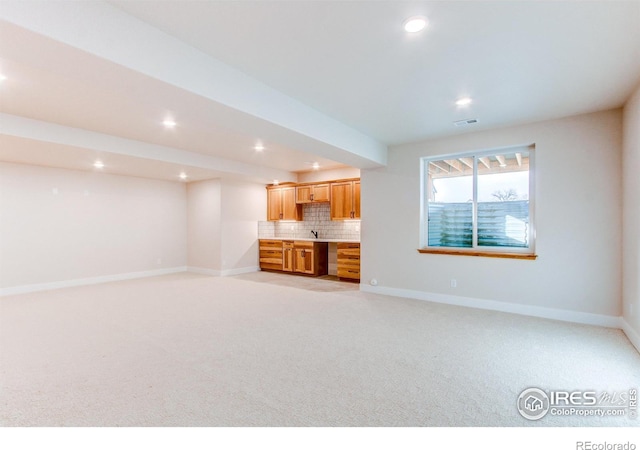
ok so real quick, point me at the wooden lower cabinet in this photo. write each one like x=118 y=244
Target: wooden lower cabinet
x=349 y=260
x=303 y=257
x=270 y=254
x=310 y=258
x=287 y=256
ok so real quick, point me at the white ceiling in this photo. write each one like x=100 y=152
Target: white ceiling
x=328 y=81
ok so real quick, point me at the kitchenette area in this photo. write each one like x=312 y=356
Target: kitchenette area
x=312 y=229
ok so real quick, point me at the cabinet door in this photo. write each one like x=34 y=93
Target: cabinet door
x=298 y=260
x=356 y=199
x=308 y=262
x=304 y=261
x=290 y=210
x=287 y=259
x=274 y=204
x=303 y=194
x=321 y=193
x=341 y=200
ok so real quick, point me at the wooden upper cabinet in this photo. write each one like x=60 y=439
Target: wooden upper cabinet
x=274 y=204
x=284 y=202
x=313 y=193
x=281 y=203
x=345 y=200
x=290 y=210
x=356 y=199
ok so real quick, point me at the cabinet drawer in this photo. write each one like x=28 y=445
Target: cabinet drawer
x=277 y=261
x=349 y=262
x=269 y=266
x=352 y=273
x=268 y=244
x=287 y=244
x=270 y=253
x=348 y=254
x=348 y=245
x=304 y=244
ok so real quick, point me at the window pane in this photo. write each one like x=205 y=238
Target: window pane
x=503 y=200
x=450 y=191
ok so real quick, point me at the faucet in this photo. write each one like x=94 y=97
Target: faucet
x=315 y=234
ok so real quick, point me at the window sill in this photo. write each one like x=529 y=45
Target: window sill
x=478 y=253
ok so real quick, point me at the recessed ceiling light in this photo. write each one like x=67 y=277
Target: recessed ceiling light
x=464 y=101
x=315 y=166
x=98 y=164
x=183 y=176
x=169 y=123
x=259 y=147
x=415 y=24
x=2 y=77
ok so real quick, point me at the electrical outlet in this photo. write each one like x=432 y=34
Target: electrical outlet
x=454 y=283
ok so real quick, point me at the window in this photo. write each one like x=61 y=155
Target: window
x=479 y=203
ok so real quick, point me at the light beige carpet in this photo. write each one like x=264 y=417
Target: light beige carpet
x=189 y=350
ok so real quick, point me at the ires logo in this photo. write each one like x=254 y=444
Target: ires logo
x=577 y=398
x=534 y=403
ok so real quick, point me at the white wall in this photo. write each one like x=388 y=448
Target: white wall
x=96 y=225
x=203 y=225
x=222 y=221
x=578 y=207
x=243 y=205
x=631 y=215
x=329 y=174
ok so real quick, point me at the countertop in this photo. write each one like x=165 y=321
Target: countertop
x=320 y=239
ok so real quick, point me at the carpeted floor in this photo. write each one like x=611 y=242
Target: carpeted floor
x=190 y=350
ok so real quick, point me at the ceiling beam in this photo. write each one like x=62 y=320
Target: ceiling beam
x=467 y=162
x=48 y=132
x=455 y=164
x=107 y=32
x=519 y=159
x=443 y=168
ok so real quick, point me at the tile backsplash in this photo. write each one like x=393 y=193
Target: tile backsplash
x=317 y=217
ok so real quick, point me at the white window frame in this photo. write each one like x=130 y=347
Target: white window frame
x=424 y=201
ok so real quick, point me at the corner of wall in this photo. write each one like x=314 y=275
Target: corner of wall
x=631 y=218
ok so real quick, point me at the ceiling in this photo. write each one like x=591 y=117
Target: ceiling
x=333 y=82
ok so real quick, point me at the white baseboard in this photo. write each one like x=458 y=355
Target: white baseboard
x=239 y=271
x=222 y=273
x=525 y=310
x=632 y=334
x=86 y=281
x=203 y=271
